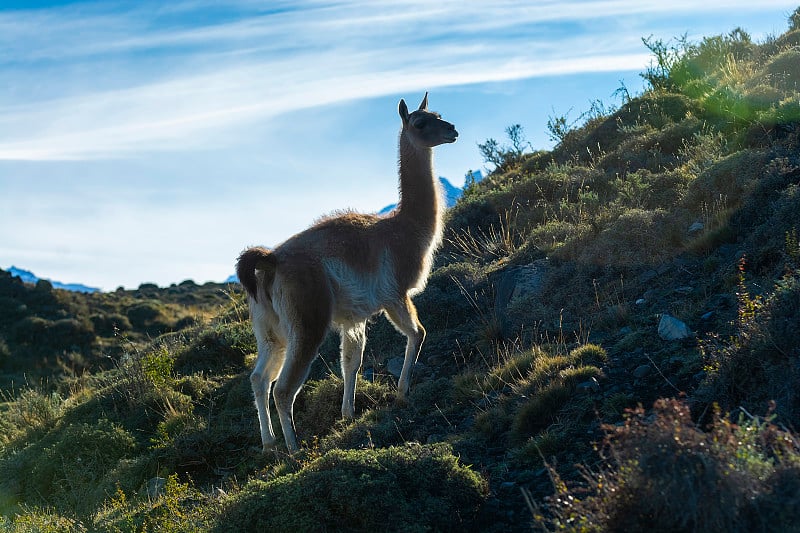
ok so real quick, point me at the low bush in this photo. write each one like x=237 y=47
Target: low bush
x=71 y=468
x=408 y=488
x=662 y=473
x=759 y=363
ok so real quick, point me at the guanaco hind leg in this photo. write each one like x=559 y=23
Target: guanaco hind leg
x=270 y=360
x=353 y=340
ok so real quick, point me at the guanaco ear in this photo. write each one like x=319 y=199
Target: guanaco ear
x=403 y=109
x=424 y=105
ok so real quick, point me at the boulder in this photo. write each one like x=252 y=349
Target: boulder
x=642 y=371
x=672 y=329
x=697 y=227
x=394 y=366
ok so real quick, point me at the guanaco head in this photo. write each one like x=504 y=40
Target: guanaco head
x=424 y=128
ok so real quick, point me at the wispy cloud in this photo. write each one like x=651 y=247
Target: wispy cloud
x=94 y=81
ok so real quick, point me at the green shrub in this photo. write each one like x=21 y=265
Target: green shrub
x=71 y=468
x=215 y=348
x=636 y=238
x=149 y=317
x=759 y=363
x=589 y=354
x=319 y=405
x=539 y=411
x=30 y=330
x=40 y=521
x=31 y=411
x=664 y=474
x=408 y=488
x=110 y=324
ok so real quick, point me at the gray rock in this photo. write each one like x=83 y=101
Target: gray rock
x=394 y=366
x=517 y=284
x=642 y=371
x=589 y=386
x=156 y=487
x=697 y=227
x=641 y=301
x=647 y=275
x=672 y=329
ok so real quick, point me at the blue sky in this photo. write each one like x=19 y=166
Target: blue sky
x=152 y=141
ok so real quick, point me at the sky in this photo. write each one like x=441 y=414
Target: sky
x=150 y=141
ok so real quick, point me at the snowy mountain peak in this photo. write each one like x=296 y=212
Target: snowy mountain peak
x=29 y=277
x=451 y=192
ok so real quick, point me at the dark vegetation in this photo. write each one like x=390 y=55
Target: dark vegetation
x=54 y=333
x=549 y=393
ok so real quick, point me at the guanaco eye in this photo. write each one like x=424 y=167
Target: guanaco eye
x=420 y=125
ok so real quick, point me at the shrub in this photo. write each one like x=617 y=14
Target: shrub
x=783 y=71
x=589 y=354
x=410 y=488
x=71 y=467
x=637 y=237
x=110 y=324
x=148 y=317
x=662 y=473
x=759 y=363
x=40 y=521
x=216 y=348
x=31 y=411
x=318 y=406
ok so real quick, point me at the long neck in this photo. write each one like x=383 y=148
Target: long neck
x=419 y=193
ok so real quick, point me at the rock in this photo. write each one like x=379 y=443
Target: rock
x=647 y=275
x=507 y=485
x=707 y=316
x=672 y=329
x=684 y=290
x=625 y=330
x=156 y=487
x=518 y=284
x=589 y=386
x=394 y=366
x=640 y=301
x=697 y=227
x=642 y=371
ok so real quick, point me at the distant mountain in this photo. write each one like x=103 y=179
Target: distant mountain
x=451 y=192
x=29 y=277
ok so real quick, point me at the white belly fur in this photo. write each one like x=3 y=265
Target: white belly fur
x=359 y=295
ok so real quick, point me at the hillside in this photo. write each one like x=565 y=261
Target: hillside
x=613 y=345
x=48 y=333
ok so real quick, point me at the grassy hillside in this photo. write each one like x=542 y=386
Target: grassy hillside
x=47 y=333
x=613 y=345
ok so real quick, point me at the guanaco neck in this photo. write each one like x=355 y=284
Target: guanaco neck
x=419 y=194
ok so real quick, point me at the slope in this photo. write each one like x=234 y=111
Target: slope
x=545 y=351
